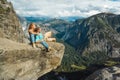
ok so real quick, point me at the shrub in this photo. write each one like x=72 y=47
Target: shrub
x=111 y=63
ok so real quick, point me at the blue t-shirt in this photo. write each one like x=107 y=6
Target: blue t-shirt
x=39 y=37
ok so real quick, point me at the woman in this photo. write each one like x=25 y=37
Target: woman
x=40 y=38
x=32 y=33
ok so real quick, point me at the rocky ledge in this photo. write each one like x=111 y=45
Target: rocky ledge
x=20 y=61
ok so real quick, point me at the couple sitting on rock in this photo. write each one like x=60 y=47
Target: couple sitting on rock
x=37 y=37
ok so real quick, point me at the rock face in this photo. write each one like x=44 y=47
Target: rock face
x=22 y=62
x=98 y=33
x=111 y=73
x=10 y=27
x=19 y=61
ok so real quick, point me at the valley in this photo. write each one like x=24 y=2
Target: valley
x=91 y=44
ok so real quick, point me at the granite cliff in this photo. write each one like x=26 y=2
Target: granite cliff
x=18 y=60
x=10 y=27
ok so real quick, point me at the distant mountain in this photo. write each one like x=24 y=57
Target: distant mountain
x=36 y=19
x=44 y=18
x=57 y=26
x=71 y=18
x=98 y=33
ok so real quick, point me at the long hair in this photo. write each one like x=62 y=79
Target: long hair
x=31 y=26
x=37 y=29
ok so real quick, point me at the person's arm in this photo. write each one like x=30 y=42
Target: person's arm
x=31 y=31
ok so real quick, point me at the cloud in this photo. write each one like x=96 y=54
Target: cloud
x=114 y=0
x=63 y=8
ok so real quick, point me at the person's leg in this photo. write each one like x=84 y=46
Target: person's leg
x=45 y=44
x=32 y=39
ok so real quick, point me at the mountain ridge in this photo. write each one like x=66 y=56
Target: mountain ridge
x=94 y=30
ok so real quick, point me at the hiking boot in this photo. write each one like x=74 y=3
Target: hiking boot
x=49 y=49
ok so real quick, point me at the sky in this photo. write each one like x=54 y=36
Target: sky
x=64 y=8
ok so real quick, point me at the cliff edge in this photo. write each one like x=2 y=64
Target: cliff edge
x=18 y=60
